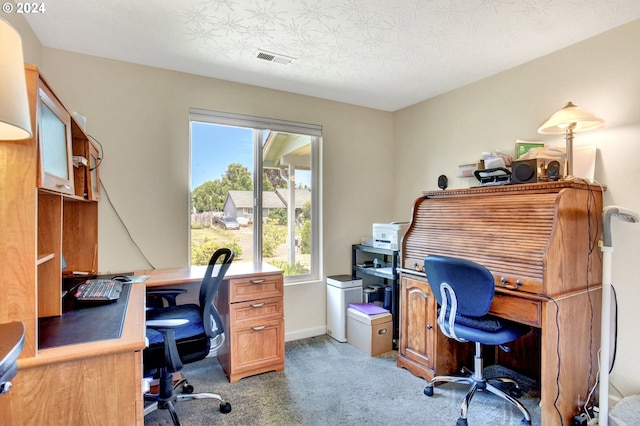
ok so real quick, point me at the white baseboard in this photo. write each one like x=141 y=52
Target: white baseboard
x=303 y=334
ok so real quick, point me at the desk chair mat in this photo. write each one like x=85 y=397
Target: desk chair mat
x=87 y=322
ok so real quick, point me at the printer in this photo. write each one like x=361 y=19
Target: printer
x=389 y=235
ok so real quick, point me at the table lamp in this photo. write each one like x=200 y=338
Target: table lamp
x=15 y=122
x=569 y=120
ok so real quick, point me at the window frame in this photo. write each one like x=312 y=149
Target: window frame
x=259 y=126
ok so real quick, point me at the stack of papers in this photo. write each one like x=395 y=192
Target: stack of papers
x=368 y=308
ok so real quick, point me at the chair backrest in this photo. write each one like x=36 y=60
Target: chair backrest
x=213 y=277
x=471 y=282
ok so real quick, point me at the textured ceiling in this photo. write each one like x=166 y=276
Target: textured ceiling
x=384 y=54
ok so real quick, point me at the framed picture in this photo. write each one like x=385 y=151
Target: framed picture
x=522 y=147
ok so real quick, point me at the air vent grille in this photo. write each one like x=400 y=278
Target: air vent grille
x=274 y=57
x=266 y=56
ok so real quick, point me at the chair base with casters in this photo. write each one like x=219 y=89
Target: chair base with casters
x=169 y=393
x=167 y=402
x=478 y=381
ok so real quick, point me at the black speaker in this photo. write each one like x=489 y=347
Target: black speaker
x=443 y=182
x=524 y=171
x=553 y=170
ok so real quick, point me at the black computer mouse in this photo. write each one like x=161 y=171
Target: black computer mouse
x=121 y=278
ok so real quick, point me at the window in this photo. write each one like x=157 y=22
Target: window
x=255 y=188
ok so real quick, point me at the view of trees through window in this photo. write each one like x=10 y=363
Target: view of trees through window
x=224 y=196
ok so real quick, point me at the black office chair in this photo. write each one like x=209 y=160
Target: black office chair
x=184 y=334
x=11 y=343
x=464 y=291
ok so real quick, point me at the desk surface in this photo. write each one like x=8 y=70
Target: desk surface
x=75 y=326
x=169 y=276
x=131 y=338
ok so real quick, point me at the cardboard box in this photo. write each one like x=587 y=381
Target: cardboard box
x=371 y=334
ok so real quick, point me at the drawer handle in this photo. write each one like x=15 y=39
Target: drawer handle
x=429 y=327
x=505 y=284
x=259 y=327
x=62 y=185
x=257 y=305
x=257 y=281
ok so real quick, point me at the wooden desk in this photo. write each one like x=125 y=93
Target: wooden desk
x=251 y=304
x=193 y=274
x=540 y=243
x=96 y=382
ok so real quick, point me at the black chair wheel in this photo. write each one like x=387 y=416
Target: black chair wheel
x=428 y=390
x=516 y=392
x=187 y=389
x=225 y=408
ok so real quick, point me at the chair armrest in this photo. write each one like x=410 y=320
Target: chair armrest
x=166 y=323
x=172 y=359
x=168 y=294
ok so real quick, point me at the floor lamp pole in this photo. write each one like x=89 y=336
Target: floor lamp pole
x=621 y=213
x=605 y=337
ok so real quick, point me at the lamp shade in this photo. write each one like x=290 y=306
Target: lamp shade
x=15 y=122
x=570 y=114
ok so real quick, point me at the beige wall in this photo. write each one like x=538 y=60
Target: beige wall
x=31 y=46
x=601 y=74
x=140 y=115
x=375 y=164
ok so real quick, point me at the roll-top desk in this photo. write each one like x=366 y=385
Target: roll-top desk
x=540 y=241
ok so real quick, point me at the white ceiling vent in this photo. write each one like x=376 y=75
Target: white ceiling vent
x=274 y=57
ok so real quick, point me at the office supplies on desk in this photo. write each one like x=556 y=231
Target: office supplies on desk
x=494 y=176
x=368 y=308
x=121 y=278
x=99 y=290
x=131 y=278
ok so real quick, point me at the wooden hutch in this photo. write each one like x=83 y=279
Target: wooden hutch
x=49 y=218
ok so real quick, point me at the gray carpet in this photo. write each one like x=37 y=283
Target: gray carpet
x=326 y=382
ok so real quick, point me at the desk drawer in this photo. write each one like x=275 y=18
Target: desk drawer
x=259 y=310
x=258 y=348
x=518 y=309
x=260 y=287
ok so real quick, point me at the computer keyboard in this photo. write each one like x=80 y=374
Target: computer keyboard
x=99 y=290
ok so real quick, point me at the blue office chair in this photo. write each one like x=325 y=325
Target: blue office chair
x=464 y=291
x=180 y=334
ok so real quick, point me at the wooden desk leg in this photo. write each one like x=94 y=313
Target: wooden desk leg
x=570 y=342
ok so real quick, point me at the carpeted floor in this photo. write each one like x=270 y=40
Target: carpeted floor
x=330 y=383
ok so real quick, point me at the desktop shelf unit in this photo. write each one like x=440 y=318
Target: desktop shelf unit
x=49 y=212
x=388 y=274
